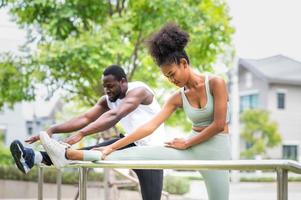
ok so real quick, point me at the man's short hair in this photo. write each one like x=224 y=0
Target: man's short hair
x=116 y=71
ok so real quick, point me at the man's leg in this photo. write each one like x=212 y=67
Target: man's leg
x=25 y=158
x=108 y=142
x=151 y=183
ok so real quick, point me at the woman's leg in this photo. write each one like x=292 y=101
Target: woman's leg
x=217 y=181
x=150 y=153
x=46 y=159
x=217 y=184
x=216 y=148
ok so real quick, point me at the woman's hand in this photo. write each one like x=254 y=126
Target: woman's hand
x=105 y=151
x=177 y=143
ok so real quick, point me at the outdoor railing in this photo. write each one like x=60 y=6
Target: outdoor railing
x=281 y=167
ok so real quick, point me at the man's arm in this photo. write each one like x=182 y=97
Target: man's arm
x=83 y=120
x=130 y=102
x=76 y=123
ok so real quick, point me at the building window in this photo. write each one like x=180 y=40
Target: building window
x=290 y=152
x=249 y=80
x=29 y=125
x=29 y=130
x=249 y=145
x=280 y=100
x=248 y=102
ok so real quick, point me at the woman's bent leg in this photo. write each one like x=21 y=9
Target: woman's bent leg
x=150 y=153
x=216 y=148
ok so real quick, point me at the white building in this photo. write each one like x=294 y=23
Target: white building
x=27 y=118
x=274 y=84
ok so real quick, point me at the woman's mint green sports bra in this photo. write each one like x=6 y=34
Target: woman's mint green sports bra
x=201 y=116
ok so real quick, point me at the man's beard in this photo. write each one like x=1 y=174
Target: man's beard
x=114 y=99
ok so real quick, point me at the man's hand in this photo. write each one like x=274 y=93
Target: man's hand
x=104 y=150
x=32 y=139
x=177 y=143
x=35 y=138
x=74 y=138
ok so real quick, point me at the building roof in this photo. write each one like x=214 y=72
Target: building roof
x=275 y=69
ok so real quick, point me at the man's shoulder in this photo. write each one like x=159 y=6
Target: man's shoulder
x=103 y=101
x=138 y=85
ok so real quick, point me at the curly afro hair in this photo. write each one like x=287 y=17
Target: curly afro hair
x=167 y=45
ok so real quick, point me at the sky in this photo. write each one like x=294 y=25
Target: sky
x=266 y=27
x=10 y=36
x=263 y=28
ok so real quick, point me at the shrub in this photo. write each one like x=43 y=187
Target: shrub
x=70 y=176
x=176 y=185
x=268 y=179
x=5 y=156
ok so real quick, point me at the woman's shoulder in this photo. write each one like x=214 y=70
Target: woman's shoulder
x=175 y=98
x=215 y=80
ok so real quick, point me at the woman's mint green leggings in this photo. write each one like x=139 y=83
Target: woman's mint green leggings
x=216 y=148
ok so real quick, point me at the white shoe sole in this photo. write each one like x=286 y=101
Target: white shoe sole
x=45 y=140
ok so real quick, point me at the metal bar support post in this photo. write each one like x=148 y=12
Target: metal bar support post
x=59 y=185
x=40 y=181
x=83 y=183
x=282 y=183
x=106 y=182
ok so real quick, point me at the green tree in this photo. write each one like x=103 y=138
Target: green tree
x=259 y=132
x=75 y=40
x=5 y=156
x=15 y=84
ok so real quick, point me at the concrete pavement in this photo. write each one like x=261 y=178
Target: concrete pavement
x=246 y=191
x=16 y=190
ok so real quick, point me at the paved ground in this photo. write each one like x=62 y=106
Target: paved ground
x=246 y=191
x=13 y=190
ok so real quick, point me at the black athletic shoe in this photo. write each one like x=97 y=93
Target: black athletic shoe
x=24 y=157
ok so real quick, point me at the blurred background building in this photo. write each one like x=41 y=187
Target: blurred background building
x=274 y=84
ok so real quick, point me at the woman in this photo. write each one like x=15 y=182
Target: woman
x=205 y=101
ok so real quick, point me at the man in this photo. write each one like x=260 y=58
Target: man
x=130 y=103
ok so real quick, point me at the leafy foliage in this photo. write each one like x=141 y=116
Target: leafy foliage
x=259 y=132
x=10 y=172
x=176 y=185
x=15 y=83
x=75 y=40
x=5 y=156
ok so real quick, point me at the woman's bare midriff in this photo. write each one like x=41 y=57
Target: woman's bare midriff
x=200 y=128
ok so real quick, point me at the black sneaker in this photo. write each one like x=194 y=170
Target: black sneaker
x=24 y=157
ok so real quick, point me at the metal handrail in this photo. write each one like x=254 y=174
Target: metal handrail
x=280 y=166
